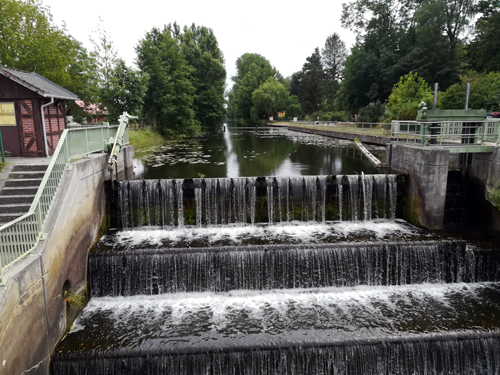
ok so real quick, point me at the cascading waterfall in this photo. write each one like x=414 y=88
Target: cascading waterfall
x=353 y=196
x=392 y=195
x=180 y=204
x=167 y=209
x=340 y=194
x=377 y=306
x=445 y=356
x=283 y=266
x=253 y=200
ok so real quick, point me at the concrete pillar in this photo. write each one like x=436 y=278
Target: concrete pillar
x=428 y=171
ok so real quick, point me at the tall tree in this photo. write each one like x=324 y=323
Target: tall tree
x=104 y=54
x=333 y=57
x=311 y=87
x=399 y=36
x=295 y=83
x=169 y=98
x=252 y=71
x=30 y=41
x=124 y=91
x=270 y=98
x=208 y=76
x=482 y=52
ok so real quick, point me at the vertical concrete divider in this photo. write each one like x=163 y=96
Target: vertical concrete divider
x=484 y=173
x=32 y=309
x=428 y=172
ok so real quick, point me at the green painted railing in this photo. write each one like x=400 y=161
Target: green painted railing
x=20 y=236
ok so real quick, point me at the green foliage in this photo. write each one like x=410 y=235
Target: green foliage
x=334 y=54
x=124 y=91
x=311 y=86
x=484 y=92
x=271 y=97
x=73 y=298
x=30 y=41
x=482 y=52
x=169 y=98
x=293 y=108
x=406 y=95
x=2 y=166
x=396 y=37
x=208 y=76
x=373 y=112
x=252 y=71
x=495 y=195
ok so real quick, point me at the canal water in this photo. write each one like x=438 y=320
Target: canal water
x=247 y=152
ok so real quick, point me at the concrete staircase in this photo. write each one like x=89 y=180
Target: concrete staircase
x=19 y=190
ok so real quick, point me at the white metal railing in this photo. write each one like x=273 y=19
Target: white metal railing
x=461 y=133
x=448 y=133
x=20 y=236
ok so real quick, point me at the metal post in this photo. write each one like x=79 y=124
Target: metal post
x=424 y=133
x=434 y=104
x=1 y=149
x=467 y=90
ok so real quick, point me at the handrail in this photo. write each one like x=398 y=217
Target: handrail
x=449 y=133
x=21 y=235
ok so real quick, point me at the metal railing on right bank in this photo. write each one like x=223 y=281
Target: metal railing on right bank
x=373 y=128
x=458 y=136
x=20 y=236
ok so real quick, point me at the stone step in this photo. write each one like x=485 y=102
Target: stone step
x=5 y=218
x=29 y=167
x=23 y=182
x=15 y=208
x=19 y=190
x=16 y=199
x=26 y=175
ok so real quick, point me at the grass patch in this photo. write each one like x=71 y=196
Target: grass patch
x=143 y=139
x=2 y=166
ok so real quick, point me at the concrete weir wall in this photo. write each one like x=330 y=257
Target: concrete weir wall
x=32 y=310
x=483 y=174
x=428 y=172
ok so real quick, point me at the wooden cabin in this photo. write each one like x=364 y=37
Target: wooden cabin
x=28 y=100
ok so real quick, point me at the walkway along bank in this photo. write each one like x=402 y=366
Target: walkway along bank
x=33 y=314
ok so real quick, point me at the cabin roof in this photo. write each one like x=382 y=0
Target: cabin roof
x=39 y=84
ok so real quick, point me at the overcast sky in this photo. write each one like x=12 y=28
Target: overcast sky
x=284 y=32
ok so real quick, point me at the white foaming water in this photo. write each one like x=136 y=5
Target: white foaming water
x=375 y=303
x=298 y=232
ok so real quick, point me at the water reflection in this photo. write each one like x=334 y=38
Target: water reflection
x=245 y=152
x=233 y=169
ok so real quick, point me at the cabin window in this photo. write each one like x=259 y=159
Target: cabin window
x=7 y=114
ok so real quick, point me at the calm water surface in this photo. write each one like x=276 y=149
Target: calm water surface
x=247 y=152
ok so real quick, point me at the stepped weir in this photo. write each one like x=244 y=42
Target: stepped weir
x=309 y=275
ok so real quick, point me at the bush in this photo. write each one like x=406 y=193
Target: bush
x=484 y=92
x=373 y=112
x=495 y=195
x=406 y=95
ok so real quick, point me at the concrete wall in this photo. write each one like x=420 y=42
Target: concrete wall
x=32 y=310
x=483 y=173
x=428 y=173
